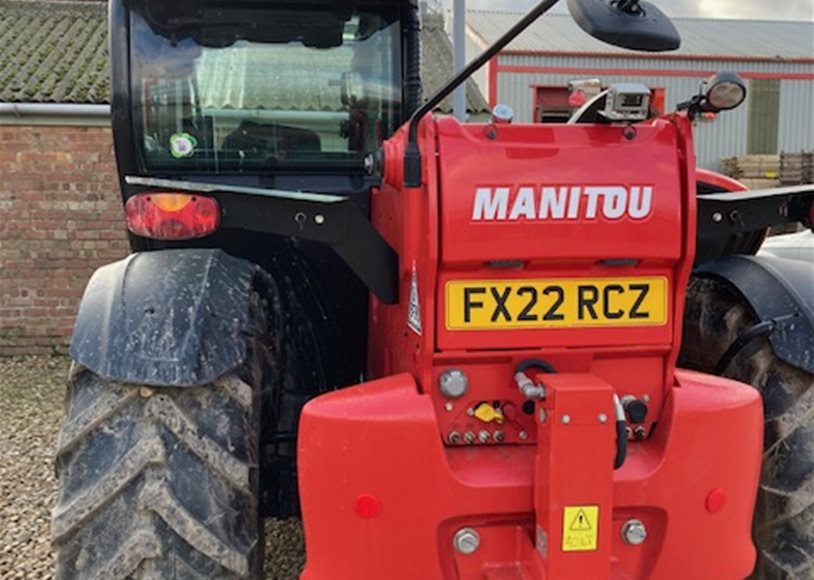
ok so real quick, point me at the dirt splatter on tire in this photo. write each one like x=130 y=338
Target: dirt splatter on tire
x=161 y=482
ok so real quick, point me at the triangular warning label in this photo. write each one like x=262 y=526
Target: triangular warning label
x=580 y=523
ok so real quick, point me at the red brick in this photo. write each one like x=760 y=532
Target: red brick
x=62 y=218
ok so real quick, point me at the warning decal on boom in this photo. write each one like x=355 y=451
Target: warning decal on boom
x=580 y=526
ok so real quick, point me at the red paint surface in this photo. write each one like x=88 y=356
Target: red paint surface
x=367 y=506
x=386 y=438
x=716 y=500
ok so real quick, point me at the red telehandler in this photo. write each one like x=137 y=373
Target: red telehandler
x=456 y=348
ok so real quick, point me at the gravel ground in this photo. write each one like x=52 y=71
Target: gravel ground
x=31 y=410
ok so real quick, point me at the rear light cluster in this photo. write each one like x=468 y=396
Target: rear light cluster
x=172 y=216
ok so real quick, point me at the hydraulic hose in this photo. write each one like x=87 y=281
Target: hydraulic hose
x=621 y=433
x=759 y=330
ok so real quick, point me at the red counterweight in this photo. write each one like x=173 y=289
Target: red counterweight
x=563 y=249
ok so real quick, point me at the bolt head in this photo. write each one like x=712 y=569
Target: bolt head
x=717 y=217
x=499 y=436
x=453 y=383
x=469 y=437
x=319 y=219
x=448 y=407
x=603 y=418
x=523 y=435
x=466 y=541
x=454 y=438
x=634 y=532
x=484 y=436
x=543 y=415
x=566 y=419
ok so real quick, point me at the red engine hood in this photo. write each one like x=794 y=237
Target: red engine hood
x=568 y=192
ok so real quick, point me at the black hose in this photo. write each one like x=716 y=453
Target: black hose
x=759 y=330
x=621 y=444
x=535 y=363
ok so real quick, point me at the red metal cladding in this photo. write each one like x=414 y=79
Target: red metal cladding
x=381 y=439
x=722 y=181
x=400 y=480
x=573 y=480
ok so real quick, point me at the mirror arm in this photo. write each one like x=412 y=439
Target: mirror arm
x=412 y=154
x=629 y=6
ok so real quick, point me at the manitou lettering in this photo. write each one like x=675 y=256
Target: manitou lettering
x=611 y=202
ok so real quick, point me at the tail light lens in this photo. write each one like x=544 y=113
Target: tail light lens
x=172 y=216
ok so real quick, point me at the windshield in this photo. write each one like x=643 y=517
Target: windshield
x=258 y=106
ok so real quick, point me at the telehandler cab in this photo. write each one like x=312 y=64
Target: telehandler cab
x=518 y=411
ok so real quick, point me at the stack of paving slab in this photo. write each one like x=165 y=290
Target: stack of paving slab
x=796 y=168
x=754 y=171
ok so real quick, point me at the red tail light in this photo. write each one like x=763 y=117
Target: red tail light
x=172 y=216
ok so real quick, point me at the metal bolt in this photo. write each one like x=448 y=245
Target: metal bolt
x=634 y=532
x=523 y=435
x=499 y=436
x=543 y=416
x=639 y=432
x=370 y=164
x=453 y=383
x=603 y=418
x=484 y=436
x=448 y=407
x=566 y=419
x=717 y=217
x=470 y=411
x=454 y=438
x=469 y=438
x=319 y=219
x=646 y=398
x=146 y=392
x=466 y=541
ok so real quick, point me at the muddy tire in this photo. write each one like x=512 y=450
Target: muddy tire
x=160 y=483
x=784 y=516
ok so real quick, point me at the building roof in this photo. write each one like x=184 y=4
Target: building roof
x=53 y=52
x=701 y=38
x=56 y=52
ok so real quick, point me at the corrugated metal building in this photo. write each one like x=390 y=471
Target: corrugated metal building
x=776 y=58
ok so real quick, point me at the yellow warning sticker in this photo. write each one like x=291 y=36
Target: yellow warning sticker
x=580 y=528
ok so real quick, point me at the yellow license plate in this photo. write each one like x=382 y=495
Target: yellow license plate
x=556 y=303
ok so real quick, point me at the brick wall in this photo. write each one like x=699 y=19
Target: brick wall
x=60 y=219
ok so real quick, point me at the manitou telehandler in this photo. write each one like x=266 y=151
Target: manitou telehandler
x=509 y=301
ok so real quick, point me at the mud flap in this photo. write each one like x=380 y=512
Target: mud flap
x=166 y=318
x=779 y=291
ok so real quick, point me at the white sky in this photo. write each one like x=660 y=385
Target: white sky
x=762 y=9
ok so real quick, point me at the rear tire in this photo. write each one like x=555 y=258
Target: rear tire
x=784 y=516
x=158 y=482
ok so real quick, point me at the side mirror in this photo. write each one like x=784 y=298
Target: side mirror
x=725 y=91
x=626 y=23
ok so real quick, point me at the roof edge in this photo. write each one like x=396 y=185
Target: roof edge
x=659 y=56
